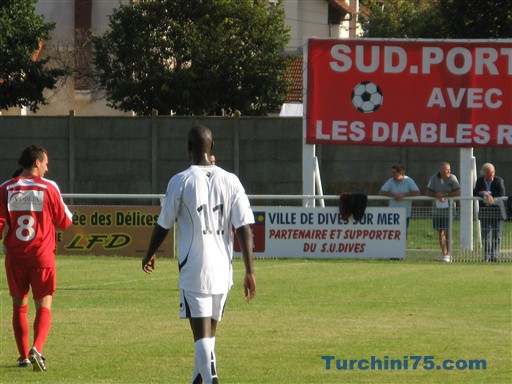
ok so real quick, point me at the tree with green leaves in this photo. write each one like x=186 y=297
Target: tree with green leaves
x=24 y=76
x=398 y=18
x=476 y=19
x=194 y=57
x=463 y=19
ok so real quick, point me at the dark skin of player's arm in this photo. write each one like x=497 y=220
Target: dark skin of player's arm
x=157 y=238
x=244 y=234
x=206 y=327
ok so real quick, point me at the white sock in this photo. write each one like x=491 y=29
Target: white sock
x=203 y=359
x=213 y=359
x=195 y=375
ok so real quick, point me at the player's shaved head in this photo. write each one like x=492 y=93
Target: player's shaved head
x=200 y=143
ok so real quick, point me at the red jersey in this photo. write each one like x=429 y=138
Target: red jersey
x=31 y=208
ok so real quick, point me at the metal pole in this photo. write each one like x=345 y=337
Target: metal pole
x=72 y=152
x=154 y=151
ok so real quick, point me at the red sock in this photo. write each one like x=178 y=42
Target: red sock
x=21 y=329
x=42 y=325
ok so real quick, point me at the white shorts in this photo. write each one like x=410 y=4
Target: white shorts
x=196 y=305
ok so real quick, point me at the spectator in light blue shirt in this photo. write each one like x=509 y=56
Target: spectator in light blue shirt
x=398 y=187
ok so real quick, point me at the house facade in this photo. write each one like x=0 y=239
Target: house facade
x=319 y=18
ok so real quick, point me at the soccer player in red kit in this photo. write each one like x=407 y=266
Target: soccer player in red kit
x=30 y=209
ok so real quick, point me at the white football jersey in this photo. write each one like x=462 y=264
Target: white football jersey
x=207 y=202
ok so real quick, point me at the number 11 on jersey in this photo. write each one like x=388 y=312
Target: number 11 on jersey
x=218 y=211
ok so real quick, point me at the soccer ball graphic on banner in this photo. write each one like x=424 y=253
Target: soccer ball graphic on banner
x=367 y=97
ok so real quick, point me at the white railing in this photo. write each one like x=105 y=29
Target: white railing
x=422 y=240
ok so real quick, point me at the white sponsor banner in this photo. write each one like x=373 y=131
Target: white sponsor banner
x=25 y=200
x=323 y=233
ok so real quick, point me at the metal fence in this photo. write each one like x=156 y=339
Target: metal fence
x=422 y=240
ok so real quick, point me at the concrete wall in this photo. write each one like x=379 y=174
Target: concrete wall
x=140 y=154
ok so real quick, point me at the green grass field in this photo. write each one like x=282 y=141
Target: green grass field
x=421 y=236
x=114 y=324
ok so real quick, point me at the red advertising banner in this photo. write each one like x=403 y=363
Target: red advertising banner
x=453 y=93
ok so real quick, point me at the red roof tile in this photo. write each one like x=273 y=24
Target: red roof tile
x=294 y=73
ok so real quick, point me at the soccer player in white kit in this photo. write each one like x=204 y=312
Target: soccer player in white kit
x=207 y=202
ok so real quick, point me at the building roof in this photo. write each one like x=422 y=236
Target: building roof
x=294 y=75
x=294 y=71
x=338 y=11
x=342 y=6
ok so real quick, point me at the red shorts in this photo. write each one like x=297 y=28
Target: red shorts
x=20 y=278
